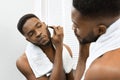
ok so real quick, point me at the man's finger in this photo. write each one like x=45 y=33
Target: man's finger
x=52 y=27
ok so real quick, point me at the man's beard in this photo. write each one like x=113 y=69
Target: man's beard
x=88 y=39
x=49 y=34
x=48 y=43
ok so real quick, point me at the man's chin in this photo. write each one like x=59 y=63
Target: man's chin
x=83 y=42
x=45 y=43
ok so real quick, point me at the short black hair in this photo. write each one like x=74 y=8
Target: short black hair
x=97 y=8
x=22 y=21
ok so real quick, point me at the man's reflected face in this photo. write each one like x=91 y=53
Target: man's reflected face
x=36 y=31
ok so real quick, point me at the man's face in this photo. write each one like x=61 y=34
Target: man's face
x=84 y=28
x=36 y=31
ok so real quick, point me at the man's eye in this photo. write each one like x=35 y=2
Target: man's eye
x=75 y=26
x=31 y=33
x=39 y=26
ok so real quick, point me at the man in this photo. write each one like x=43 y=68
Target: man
x=46 y=57
x=96 y=24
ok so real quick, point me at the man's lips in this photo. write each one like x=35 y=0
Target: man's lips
x=42 y=40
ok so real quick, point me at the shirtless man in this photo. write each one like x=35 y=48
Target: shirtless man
x=96 y=24
x=37 y=33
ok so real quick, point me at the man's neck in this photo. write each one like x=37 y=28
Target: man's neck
x=49 y=50
x=84 y=51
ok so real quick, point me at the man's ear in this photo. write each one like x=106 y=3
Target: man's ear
x=102 y=29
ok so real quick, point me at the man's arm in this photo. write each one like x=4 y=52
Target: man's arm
x=57 y=39
x=83 y=55
x=23 y=66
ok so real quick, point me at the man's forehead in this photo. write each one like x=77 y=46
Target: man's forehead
x=33 y=19
x=75 y=15
x=75 y=11
x=31 y=22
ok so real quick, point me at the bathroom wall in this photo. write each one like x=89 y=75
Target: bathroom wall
x=12 y=43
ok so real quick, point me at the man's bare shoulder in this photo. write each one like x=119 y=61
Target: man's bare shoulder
x=106 y=67
x=68 y=48
x=23 y=66
x=22 y=63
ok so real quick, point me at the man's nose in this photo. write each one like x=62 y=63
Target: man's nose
x=38 y=33
x=74 y=29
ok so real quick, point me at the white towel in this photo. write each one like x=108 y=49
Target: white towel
x=107 y=42
x=41 y=65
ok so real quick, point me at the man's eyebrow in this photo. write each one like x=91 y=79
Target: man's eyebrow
x=37 y=23
x=74 y=22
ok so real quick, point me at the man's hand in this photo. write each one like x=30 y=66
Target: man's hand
x=57 y=39
x=58 y=35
